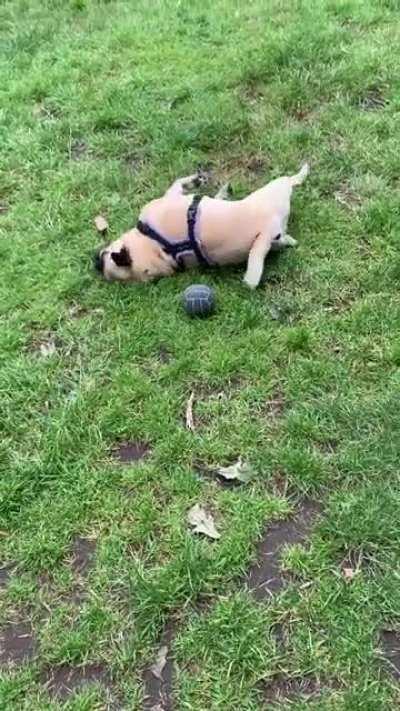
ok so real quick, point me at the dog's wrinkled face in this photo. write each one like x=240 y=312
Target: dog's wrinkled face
x=133 y=257
x=115 y=262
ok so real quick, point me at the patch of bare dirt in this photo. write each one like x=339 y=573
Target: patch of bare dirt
x=251 y=92
x=134 y=160
x=347 y=197
x=164 y=355
x=64 y=680
x=78 y=149
x=275 y=405
x=47 y=344
x=128 y=452
x=327 y=447
x=281 y=689
x=373 y=100
x=390 y=642
x=17 y=642
x=255 y=164
x=83 y=551
x=265 y=576
x=5 y=574
x=301 y=113
x=280 y=483
x=46 y=111
x=158 y=683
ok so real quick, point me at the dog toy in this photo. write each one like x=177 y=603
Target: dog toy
x=199 y=300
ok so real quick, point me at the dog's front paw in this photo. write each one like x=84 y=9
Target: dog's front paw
x=250 y=282
x=203 y=176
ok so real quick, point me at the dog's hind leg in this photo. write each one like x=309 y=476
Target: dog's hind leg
x=255 y=262
x=300 y=177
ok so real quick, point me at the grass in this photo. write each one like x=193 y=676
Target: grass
x=102 y=104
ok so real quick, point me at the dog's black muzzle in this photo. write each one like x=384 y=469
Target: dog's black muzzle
x=98 y=261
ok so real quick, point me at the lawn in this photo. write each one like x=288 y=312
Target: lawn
x=102 y=105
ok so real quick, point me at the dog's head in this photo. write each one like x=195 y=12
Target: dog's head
x=115 y=262
x=133 y=257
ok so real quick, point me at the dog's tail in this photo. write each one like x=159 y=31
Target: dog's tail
x=301 y=175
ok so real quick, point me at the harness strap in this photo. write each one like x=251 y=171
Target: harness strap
x=191 y=222
x=174 y=249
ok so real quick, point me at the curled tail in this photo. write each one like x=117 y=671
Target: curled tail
x=301 y=175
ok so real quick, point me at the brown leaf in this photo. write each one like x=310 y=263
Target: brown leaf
x=101 y=224
x=202 y=522
x=189 y=413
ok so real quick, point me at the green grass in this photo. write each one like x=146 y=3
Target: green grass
x=102 y=104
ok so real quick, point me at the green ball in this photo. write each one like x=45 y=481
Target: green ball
x=199 y=300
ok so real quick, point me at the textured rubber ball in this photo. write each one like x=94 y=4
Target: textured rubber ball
x=199 y=300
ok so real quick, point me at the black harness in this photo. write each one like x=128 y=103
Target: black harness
x=176 y=250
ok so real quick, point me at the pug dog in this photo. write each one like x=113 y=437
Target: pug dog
x=181 y=229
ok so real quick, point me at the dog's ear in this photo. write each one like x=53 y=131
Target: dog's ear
x=122 y=258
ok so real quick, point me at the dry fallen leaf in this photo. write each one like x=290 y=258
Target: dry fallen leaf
x=239 y=471
x=48 y=348
x=202 y=522
x=189 y=413
x=101 y=224
x=161 y=660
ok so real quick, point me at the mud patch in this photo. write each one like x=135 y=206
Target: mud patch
x=5 y=574
x=390 y=643
x=347 y=197
x=373 y=100
x=64 y=680
x=251 y=92
x=17 y=643
x=47 y=111
x=255 y=164
x=265 y=577
x=275 y=406
x=83 y=555
x=280 y=689
x=47 y=344
x=301 y=113
x=280 y=484
x=164 y=356
x=128 y=452
x=78 y=149
x=158 y=691
x=327 y=447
